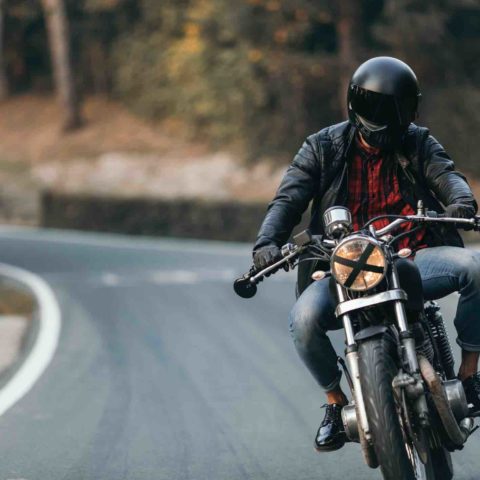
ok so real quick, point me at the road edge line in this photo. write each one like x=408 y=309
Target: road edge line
x=43 y=347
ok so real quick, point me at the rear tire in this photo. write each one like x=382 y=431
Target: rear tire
x=377 y=370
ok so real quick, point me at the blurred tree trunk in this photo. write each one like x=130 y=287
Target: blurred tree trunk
x=59 y=38
x=3 y=72
x=350 y=34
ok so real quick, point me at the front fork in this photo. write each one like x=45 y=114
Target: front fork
x=412 y=381
x=414 y=389
x=352 y=363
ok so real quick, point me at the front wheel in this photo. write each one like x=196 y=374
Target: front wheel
x=398 y=460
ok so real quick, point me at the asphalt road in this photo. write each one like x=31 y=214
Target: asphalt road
x=162 y=373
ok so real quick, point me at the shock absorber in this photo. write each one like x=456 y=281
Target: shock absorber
x=423 y=342
x=437 y=327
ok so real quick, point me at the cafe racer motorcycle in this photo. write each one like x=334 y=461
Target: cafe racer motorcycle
x=408 y=410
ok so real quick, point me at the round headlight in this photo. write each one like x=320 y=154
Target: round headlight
x=358 y=263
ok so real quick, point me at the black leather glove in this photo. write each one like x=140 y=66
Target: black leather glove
x=459 y=210
x=266 y=256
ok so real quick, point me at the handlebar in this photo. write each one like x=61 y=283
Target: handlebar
x=246 y=286
x=431 y=217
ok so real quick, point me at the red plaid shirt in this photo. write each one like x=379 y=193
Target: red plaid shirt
x=373 y=190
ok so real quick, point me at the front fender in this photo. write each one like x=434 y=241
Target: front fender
x=371 y=332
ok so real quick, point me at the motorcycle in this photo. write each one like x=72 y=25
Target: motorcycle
x=408 y=410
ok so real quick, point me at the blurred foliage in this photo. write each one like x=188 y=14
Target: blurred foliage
x=260 y=73
x=233 y=70
x=440 y=39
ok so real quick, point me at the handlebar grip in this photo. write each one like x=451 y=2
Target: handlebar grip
x=244 y=288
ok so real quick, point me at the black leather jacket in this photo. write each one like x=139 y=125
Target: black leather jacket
x=319 y=171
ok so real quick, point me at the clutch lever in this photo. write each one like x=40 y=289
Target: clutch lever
x=246 y=286
x=288 y=255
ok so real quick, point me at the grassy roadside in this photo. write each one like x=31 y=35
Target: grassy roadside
x=17 y=307
x=15 y=301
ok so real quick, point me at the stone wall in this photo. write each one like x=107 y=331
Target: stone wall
x=210 y=220
x=227 y=221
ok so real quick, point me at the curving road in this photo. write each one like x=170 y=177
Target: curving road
x=161 y=373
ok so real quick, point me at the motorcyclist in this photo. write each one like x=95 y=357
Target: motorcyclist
x=377 y=162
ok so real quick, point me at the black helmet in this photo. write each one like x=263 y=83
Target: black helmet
x=382 y=100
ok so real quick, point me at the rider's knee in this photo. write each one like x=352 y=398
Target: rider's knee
x=469 y=278
x=301 y=324
x=304 y=324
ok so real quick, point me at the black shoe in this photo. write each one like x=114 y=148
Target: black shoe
x=331 y=434
x=472 y=391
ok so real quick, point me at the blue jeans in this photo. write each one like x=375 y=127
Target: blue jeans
x=443 y=270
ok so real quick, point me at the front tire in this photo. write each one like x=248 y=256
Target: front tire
x=442 y=464
x=377 y=370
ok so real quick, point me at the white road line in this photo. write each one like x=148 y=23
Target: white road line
x=173 y=277
x=45 y=344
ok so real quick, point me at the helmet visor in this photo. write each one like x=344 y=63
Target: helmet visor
x=382 y=109
x=371 y=126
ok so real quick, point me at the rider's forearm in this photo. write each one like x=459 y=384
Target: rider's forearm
x=291 y=200
x=284 y=212
x=449 y=185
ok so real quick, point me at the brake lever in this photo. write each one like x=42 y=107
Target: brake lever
x=469 y=223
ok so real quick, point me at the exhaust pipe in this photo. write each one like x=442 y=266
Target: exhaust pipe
x=458 y=434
